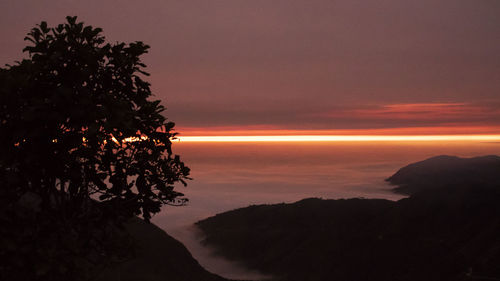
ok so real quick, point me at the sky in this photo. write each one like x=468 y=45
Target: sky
x=301 y=67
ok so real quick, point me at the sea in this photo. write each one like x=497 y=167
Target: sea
x=226 y=176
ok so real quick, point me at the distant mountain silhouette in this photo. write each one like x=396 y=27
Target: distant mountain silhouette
x=450 y=233
x=441 y=171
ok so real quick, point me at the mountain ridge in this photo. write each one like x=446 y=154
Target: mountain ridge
x=444 y=170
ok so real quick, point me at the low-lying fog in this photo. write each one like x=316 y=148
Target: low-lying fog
x=234 y=175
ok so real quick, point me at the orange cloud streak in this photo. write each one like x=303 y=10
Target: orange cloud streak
x=435 y=112
x=443 y=119
x=423 y=111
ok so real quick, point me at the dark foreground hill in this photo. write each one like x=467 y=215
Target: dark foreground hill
x=441 y=171
x=158 y=257
x=445 y=234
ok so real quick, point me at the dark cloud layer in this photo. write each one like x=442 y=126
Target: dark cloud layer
x=286 y=62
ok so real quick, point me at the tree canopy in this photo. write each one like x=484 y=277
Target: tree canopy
x=80 y=137
x=76 y=120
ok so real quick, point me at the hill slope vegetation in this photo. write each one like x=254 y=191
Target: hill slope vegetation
x=158 y=257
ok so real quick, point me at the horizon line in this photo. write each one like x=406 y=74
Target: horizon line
x=337 y=138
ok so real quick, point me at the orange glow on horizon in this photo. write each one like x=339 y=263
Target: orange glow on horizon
x=276 y=131
x=338 y=138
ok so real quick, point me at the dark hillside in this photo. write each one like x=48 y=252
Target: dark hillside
x=447 y=234
x=158 y=257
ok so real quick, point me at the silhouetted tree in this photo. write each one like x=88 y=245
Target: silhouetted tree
x=81 y=143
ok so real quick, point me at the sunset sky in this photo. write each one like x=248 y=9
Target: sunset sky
x=315 y=67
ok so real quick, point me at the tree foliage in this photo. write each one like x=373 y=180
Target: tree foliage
x=79 y=133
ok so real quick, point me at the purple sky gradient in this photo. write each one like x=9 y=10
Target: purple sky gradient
x=290 y=64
